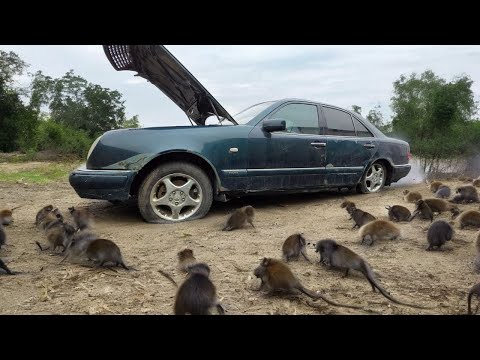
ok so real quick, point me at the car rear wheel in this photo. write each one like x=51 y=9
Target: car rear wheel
x=174 y=192
x=373 y=180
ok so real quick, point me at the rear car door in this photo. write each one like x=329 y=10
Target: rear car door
x=350 y=147
x=289 y=159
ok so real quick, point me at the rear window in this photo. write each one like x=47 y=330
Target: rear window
x=362 y=131
x=339 y=122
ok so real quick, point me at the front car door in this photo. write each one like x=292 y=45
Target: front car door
x=289 y=159
x=350 y=147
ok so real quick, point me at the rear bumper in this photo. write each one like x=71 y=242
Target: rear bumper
x=400 y=171
x=102 y=184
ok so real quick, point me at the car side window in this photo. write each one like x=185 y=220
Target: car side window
x=299 y=118
x=339 y=122
x=362 y=131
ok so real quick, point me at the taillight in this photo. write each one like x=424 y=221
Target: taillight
x=409 y=155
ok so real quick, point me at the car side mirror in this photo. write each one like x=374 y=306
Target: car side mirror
x=272 y=125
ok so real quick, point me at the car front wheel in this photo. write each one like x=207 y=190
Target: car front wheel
x=373 y=179
x=174 y=192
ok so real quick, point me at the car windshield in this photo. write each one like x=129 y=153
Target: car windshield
x=248 y=114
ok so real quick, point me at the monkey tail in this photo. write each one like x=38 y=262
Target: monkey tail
x=320 y=296
x=168 y=277
x=368 y=272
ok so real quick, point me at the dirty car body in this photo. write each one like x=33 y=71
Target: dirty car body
x=289 y=145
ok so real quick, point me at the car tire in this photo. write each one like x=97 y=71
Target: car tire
x=373 y=180
x=166 y=181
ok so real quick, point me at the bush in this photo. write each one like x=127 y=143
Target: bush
x=59 y=139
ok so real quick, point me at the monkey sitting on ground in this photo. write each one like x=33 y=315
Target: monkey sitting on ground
x=346 y=203
x=379 y=230
x=4 y=267
x=458 y=199
x=77 y=248
x=398 y=213
x=293 y=246
x=42 y=213
x=438 y=234
x=342 y=258
x=468 y=192
x=6 y=217
x=443 y=192
x=434 y=185
x=475 y=290
x=81 y=217
x=439 y=205
x=411 y=196
x=186 y=259
x=277 y=276
x=359 y=216
x=424 y=210
x=57 y=232
x=467 y=218
x=197 y=294
x=239 y=218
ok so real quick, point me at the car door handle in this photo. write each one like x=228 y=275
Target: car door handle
x=369 y=146
x=318 y=144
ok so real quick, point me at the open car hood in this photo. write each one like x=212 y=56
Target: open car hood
x=156 y=64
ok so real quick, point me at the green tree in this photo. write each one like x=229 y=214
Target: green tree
x=434 y=116
x=131 y=123
x=357 y=109
x=375 y=117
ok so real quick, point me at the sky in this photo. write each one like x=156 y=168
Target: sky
x=239 y=76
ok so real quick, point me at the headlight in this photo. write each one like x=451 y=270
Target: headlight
x=93 y=146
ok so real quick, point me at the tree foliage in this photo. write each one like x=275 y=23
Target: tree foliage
x=357 y=109
x=435 y=116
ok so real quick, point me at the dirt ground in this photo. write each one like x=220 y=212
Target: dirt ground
x=440 y=279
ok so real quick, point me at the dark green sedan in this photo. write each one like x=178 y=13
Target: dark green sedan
x=289 y=145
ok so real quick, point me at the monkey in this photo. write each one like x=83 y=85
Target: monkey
x=469 y=218
x=411 y=196
x=6 y=217
x=423 y=209
x=57 y=232
x=239 y=218
x=455 y=212
x=341 y=257
x=438 y=234
x=4 y=267
x=439 y=205
x=476 y=182
x=197 y=294
x=186 y=259
x=77 y=248
x=443 y=192
x=3 y=236
x=398 y=213
x=346 y=203
x=379 y=230
x=102 y=251
x=468 y=192
x=81 y=217
x=475 y=290
x=434 y=185
x=477 y=258
x=42 y=213
x=277 y=276
x=58 y=214
x=293 y=246
x=458 y=199
x=359 y=216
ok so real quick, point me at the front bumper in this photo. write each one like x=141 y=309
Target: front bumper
x=400 y=171
x=102 y=184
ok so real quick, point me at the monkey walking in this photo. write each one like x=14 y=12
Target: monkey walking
x=423 y=209
x=341 y=257
x=467 y=218
x=239 y=218
x=79 y=244
x=475 y=290
x=197 y=294
x=277 y=276
x=443 y=192
x=185 y=259
x=293 y=246
x=359 y=216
